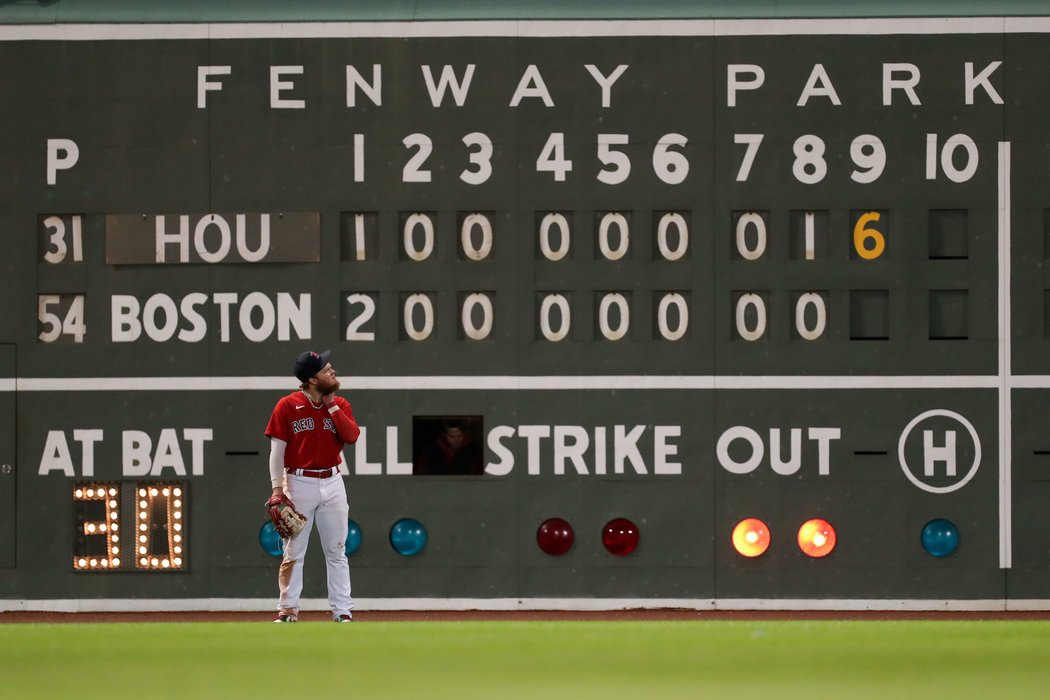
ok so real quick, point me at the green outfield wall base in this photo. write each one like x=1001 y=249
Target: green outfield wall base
x=520 y=604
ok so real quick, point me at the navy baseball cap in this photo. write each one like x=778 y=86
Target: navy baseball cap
x=310 y=363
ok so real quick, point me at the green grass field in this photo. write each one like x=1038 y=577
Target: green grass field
x=535 y=660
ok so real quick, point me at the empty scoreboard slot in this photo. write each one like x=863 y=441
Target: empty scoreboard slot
x=1046 y=313
x=869 y=314
x=949 y=314
x=948 y=234
x=1046 y=234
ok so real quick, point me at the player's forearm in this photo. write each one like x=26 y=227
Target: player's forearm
x=345 y=425
x=277 y=464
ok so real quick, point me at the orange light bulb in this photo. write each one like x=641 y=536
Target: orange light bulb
x=751 y=537
x=816 y=538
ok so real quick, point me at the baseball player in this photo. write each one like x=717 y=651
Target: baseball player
x=307 y=431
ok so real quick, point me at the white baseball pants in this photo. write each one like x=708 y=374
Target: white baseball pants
x=322 y=501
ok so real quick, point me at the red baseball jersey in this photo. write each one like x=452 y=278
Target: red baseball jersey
x=314 y=434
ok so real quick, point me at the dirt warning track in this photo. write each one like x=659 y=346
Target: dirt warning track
x=521 y=615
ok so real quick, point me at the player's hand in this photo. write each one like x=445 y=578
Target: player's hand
x=328 y=399
x=277 y=490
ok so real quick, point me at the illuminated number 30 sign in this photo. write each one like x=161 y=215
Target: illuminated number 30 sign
x=156 y=541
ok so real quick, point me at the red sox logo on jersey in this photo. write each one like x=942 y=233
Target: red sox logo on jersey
x=304 y=424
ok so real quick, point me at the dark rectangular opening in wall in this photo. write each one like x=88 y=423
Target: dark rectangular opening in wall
x=448 y=445
x=1046 y=314
x=948 y=234
x=949 y=314
x=869 y=314
x=1046 y=234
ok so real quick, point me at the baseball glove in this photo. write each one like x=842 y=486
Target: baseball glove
x=286 y=519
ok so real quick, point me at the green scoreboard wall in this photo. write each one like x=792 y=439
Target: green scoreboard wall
x=682 y=273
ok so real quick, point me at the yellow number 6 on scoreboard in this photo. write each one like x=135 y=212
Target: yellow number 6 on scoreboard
x=863 y=236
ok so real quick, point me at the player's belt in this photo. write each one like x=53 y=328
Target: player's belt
x=314 y=473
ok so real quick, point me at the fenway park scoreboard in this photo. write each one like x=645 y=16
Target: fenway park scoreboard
x=739 y=313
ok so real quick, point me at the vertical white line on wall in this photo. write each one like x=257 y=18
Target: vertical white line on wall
x=1005 y=407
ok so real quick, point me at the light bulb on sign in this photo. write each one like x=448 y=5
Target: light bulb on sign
x=751 y=537
x=816 y=538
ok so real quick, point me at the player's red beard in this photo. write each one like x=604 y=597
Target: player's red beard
x=326 y=385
